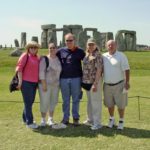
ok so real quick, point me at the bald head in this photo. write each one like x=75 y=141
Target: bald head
x=70 y=40
x=69 y=35
x=111 y=46
x=112 y=42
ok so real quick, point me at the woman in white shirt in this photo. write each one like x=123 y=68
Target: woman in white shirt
x=49 y=73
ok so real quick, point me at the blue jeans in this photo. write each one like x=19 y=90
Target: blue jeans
x=70 y=87
x=28 y=90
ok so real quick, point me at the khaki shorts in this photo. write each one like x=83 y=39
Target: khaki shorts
x=113 y=95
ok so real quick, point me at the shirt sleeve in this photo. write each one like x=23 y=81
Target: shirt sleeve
x=124 y=63
x=99 y=62
x=42 y=69
x=82 y=54
x=21 y=62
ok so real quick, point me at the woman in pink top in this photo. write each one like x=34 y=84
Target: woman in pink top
x=27 y=69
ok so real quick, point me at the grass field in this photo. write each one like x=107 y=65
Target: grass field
x=136 y=135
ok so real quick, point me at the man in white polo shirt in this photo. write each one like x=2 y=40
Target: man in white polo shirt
x=116 y=82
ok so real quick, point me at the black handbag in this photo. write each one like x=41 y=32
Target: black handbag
x=15 y=81
x=86 y=86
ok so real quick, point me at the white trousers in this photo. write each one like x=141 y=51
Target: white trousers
x=94 y=104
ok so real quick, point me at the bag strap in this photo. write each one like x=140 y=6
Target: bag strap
x=25 y=63
x=46 y=61
x=70 y=53
x=16 y=74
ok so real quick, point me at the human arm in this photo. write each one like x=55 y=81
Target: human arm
x=19 y=74
x=127 y=79
x=20 y=67
x=42 y=73
x=99 y=66
x=97 y=78
x=44 y=85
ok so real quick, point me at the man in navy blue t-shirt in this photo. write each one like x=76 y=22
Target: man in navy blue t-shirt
x=70 y=78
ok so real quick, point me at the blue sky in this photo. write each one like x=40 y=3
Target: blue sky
x=18 y=16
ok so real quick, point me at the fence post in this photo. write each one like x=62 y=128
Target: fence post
x=139 y=107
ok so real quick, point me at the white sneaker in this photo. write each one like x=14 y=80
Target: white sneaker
x=87 y=123
x=59 y=126
x=111 y=123
x=32 y=126
x=43 y=123
x=50 y=122
x=120 y=125
x=96 y=127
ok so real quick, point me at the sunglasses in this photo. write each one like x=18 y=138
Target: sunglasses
x=52 y=47
x=69 y=40
x=33 y=47
x=91 y=44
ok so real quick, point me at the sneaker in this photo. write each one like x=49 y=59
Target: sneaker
x=96 y=127
x=66 y=122
x=32 y=126
x=88 y=123
x=120 y=125
x=76 y=122
x=50 y=122
x=111 y=123
x=43 y=123
x=59 y=126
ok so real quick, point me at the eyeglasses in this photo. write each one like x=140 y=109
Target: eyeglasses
x=69 y=40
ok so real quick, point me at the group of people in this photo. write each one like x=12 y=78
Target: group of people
x=70 y=69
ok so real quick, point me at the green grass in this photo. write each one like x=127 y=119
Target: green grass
x=136 y=135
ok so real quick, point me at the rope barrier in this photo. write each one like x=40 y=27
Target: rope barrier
x=138 y=98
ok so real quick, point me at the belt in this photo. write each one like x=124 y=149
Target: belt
x=112 y=84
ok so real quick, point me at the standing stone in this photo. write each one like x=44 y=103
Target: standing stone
x=35 y=38
x=75 y=30
x=17 y=51
x=44 y=39
x=103 y=40
x=23 y=39
x=109 y=36
x=51 y=37
x=120 y=41
x=65 y=31
x=134 y=41
x=16 y=43
x=97 y=37
x=82 y=39
x=44 y=35
x=126 y=40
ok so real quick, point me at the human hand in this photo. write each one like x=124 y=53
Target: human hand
x=44 y=87
x=94 y=87
x=19 y=86
x=127 y=85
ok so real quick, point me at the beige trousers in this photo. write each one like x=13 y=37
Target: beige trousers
x=94 y=104
x=48 y=99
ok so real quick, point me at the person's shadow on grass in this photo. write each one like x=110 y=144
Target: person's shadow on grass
x=85 y=131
